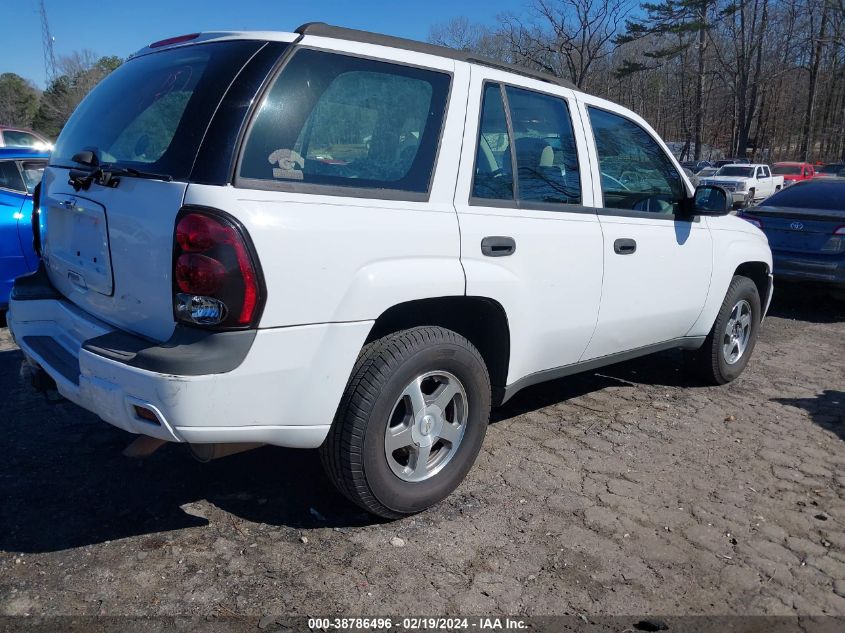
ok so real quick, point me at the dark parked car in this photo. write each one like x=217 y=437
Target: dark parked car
x=696 y=166
x=20 y=171
x=831 y=170
x=805 y=224
x=731 y=161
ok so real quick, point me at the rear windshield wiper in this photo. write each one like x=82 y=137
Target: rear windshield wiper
x=104 y=174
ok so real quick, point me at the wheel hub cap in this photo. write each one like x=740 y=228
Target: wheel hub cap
x=737 y=332
x=426 y=426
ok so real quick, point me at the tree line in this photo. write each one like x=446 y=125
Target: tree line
x=46 y=111
x=763 y=79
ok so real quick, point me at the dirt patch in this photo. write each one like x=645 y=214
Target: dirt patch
x=628 y=490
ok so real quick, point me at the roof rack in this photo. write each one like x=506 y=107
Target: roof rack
x=322 y=29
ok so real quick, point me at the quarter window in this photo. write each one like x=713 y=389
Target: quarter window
x=636 y=174
x=547 y=163
x=32 y=171
x=339 y=120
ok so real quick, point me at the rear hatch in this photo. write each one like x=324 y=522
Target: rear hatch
x=807 y=218
x=108 y=246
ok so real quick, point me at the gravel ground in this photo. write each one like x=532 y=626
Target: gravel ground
x=624 y=491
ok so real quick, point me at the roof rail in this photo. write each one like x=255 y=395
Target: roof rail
x=322 y=29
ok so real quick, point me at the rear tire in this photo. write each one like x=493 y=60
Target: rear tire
x=410 y=423
x=731 y=341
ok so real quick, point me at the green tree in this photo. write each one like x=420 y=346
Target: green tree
x=18 y=100
x=676 y=26
x=80 y=73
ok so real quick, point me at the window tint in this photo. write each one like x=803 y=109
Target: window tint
x=787 y=170
x=152 y=112
x=333 y=119
x=14 y=138
x=636 y=173
x=493 y=177
x=815 y=194
x=10 y=177
x=547 y=163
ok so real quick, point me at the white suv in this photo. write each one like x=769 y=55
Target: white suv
x=349 y=241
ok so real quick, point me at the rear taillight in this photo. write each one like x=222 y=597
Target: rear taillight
x=752 y=220
x=216 y=279
x=839 y=231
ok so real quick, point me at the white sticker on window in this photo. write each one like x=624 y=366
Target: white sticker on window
x=290 y=164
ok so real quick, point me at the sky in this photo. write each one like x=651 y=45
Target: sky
x=120 y=27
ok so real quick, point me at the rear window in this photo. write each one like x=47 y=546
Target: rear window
x=734 y=170
x=813 y=194
x=787 y=170
x=152 y=112
x=344 y=121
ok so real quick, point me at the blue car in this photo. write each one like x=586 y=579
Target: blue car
x=805 y=224
x=20 y=172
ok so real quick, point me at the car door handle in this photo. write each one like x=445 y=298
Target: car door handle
x=498 y=246
x=625 y=246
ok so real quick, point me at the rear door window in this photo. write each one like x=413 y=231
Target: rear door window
x=342 y=121
x=10 y=176
x=152 y=112
x=544 y=144
x=493 y=178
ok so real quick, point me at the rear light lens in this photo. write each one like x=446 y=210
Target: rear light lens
x=752 y=220
x=216 y=278
x=199 y=274
x=840 y=231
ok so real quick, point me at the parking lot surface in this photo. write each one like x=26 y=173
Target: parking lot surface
x=627 y=490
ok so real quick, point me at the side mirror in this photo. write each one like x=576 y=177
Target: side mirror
x=711 y=200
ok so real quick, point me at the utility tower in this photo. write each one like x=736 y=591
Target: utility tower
x=47 y=42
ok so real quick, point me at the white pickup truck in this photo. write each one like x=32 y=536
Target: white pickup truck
x=747 y=183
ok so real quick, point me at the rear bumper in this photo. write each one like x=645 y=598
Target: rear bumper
x=826 y=270
x=283 y=391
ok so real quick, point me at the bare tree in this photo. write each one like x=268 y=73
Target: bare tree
x=566 y=37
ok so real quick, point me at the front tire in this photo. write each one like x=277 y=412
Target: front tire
x=410 y=423
x=731 y=341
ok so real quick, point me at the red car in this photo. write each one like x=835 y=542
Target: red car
x=793 y=172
